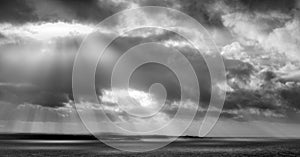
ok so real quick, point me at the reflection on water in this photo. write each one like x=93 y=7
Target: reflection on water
x=182 y=147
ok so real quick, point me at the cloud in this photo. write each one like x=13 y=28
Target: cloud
x=44 y=31
x=53 y=113
x=252 y=26
x=38 y=51
x=16 y=12
x=140 y=106
x=276 y=101
x=26 y=93
x=37 y=113
x=247 y=73
x=238 y=72
x=293 y=76
x=90 y=11
x=240 y=105
x=266 y=41
x=133 y=101
x=285 y=39
x=206 y=12
x=234 y=51
x=146 y=75
x=274 y=30
x=268 y=5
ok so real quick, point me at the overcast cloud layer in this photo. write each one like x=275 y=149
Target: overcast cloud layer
x=259 y=40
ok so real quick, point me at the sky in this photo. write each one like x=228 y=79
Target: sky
x=259 y=41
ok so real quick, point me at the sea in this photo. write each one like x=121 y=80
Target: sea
x=182 y=147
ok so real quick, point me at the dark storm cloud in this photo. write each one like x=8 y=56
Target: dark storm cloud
x=48 y=73
x=247 y=99
x=267 y=5
x=88 y=10
x=237 y=69
x=95 y=11
x=239 y=105
x=202 y=11
x=242 y=106
x=53 y=85
x=270 y=102
x=206 y=12
x=54 y=74
x=291 y=96
x=148 y=74
x=2 y=36
x=271 y=97
x=23 y=11
x=16 y=11
x=20 y=94
x=263 y=103
x=209 y=13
